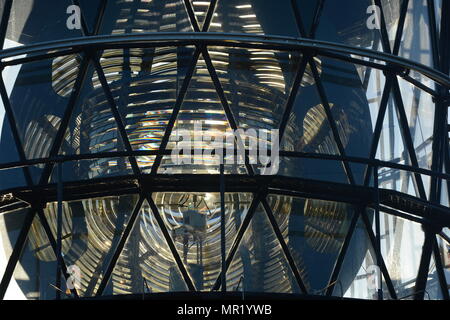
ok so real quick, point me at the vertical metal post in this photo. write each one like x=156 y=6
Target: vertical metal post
x=222 y=226
x=59 y=230
x=377 y=233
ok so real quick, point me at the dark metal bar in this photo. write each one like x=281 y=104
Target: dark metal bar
x=368 y=73
x=402 y=72
x=400 y=27
x=105 y=86
x=422 y=275
x=292 y=154
x=444 y=44
x=439 y=155
x=191 y=14
x=98 y=19
x=444 y=52
x=169 y=241
x=237 y=241
x=378 y=126
x=284 y=246
x=292 y=96
x=53 y=244
x=5 y=21
x=224 y=101
x=332 y=123
x=404 y=127
x=222 y=227
x=420 y=85
x=145 y=40
x=66 y=118
x=440 y=271
x=309 y=195
x=120 y=246
x=383 y=30
x=14 y=130
x=209 y=15
x=116 y=113
x=316 y=20
x=354 y=59
x=377 y=229
x=176 y=110
x=84 y=26
x=440 y=136
x=298 y=19
x=341 y=257
x=437 y=215
x=17 y=252
x=399 y=214
x=78 y=86
x=59 y=230
x=445 y=237
x=383 y=267
x=433 y=33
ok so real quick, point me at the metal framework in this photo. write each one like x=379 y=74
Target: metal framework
x=425 y=209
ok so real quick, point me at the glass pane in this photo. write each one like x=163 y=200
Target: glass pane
x=92 y=129
x=391 y=148
x=438 y=14
x=419 y=108
x=10 y=226
x=201 y=122
x=444 y=250
x=12 y=177
x=360 y=278
x=200 y=9
x=91 y=230
x=146 y=264
x=416 y=40
x=433 y=289
x=145 y=16
x=90 y=11
x=35 y=273
x=193 y=221
x=308 y=128
x=401 y=248
x=256 y=17
x=259 y=264
x=314 y=231
x=257 y=83
x=31 y=21
x=9 y=178
x=315 y=169
x=40 y=93
x=145 y=84
x=349 y=107
x=359 y=26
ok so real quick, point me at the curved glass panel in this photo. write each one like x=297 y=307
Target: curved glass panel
x=31 y=21
x=192 y=83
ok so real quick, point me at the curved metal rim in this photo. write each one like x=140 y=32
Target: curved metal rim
x=281 y=185
x=282 y=153
x=162 y=39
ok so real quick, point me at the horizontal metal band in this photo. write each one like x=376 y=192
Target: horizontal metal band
x=316 y=189
x=163 y=39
